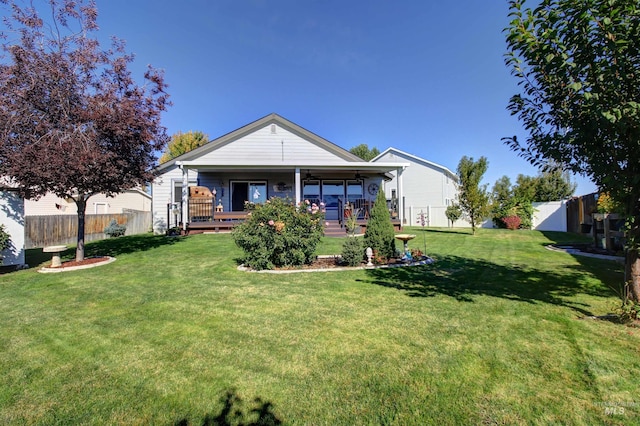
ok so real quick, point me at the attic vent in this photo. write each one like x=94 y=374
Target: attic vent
x=273 y=129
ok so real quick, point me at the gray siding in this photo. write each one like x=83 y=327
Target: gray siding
x=266 y=148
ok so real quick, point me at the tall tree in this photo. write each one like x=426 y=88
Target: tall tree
x=501 y=190
x=473 y=197
x=181 y=143
x=525 y=187
x=578 y=65
x=72 y=120
x=364 y=152
x=553 y=185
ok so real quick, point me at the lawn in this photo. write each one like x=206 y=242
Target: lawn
x=496 y=331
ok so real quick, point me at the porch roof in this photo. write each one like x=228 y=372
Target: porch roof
x=256 y=165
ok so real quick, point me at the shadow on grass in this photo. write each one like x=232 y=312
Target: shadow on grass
x=129 y=244
x=463 y=278
x=109 y=247
x=232 y=413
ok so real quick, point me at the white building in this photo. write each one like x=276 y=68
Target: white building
x=428 y=188
x=50 y=204
x=12 y=217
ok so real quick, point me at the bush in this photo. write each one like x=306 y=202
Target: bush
x=114 y=229
x=352 y=251
x=522 y=209
x=277 y=234
x=511 y=222
x=5 y=240
x=380 y=233
x=453 y=213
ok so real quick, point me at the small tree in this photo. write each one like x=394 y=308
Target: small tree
x=380 y=235
x=473 y=198
x=352 y=250
x=73 y=121
x=453 y=213
x=181 y=143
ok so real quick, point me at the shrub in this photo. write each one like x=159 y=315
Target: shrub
x=114 y=229
x=514 y=207
x=278 y=234
x=5 y=240
x=352 y=251
x=511 y=222
x=380 y=233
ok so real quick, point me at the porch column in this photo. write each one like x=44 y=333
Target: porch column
x=185 y=196
x=298 y=188
x=400 y=196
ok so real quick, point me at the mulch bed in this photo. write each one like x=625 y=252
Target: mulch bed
x=87 y=261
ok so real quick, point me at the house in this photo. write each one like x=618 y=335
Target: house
x=428 y=188
x=270 y=157
x=12 y=217
x=52 y=205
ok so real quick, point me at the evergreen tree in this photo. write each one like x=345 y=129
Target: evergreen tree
x=380 y=235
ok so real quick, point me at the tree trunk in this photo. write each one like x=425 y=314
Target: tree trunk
x=632 y=258
x=81 y=204
x=632 y=274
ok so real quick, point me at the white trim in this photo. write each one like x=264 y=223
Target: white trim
x=416 y=159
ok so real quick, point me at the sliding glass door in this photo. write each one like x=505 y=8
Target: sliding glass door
x=331 y=192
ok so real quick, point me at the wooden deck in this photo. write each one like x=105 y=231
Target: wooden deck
x=222 y=221
x=225 y=222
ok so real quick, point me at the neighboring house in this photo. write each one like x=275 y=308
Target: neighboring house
x=12 y=217
x=50 y=204
x=428 y=188
x=271 y=157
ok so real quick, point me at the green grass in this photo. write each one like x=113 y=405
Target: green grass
x=494 y=332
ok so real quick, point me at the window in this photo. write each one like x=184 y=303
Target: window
x=355 y=191
x=311 y=191
x=100 y=208
x=177 y=190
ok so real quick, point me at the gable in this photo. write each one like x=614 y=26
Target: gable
x=392 y=154
x=269 y=141
x=269 y=145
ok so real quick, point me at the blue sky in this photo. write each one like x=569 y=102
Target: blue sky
x=426 y=77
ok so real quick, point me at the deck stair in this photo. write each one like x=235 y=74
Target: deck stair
x=332 y=229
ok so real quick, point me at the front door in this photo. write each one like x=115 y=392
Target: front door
x=250 y=191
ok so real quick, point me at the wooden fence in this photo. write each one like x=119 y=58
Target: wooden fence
x=41 y=231
x=579 y=211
